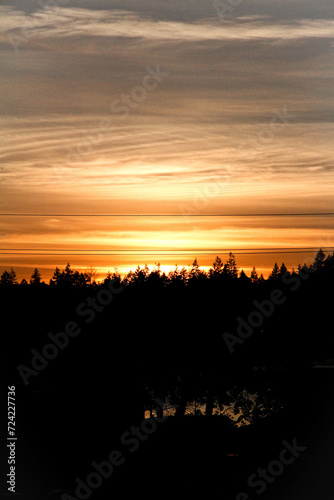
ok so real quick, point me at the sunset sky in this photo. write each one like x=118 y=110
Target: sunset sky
x=165 y=108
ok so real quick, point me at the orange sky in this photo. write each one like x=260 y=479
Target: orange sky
x=125 y=242
x=164 y=109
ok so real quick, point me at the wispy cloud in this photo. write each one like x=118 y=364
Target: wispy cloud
x=163 y=161
x=72 y=22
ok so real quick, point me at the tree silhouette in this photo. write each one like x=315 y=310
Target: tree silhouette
x=293 y=272
x=319 y=261
x=303 y=269
x=90 y=274
x=254 y=276
x=71 y=279
x=157 y=279
x=274 y=275
x=195 y=273
x=35 y=277
x=243 y=277
x=199 y=369
x=177 y=278
x=67 y=276
x=329 y=263
x=230 y=267
x=8 y=278
x=81 y=280
x=115 y=277
x=137 y=277
x=283 y=271
x=13 y=276
x=55 y=280
x=216 y=271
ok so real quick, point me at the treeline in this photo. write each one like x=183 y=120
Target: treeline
x=164 y=337
x=219 y=272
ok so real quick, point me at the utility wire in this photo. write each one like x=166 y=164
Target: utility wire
x=161 y=253
x=310 y=214
x=154 y=250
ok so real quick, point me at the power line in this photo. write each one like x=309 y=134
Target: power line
x=143 y=250
x=310 y=214
x=177 y=253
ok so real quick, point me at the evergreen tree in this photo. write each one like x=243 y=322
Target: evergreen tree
x=115 y=276
x=243 y=276
x=13 y=276
x=55 y=280
x=139 y=276
x=178 y=277
x=35 y=277
x=329 y=263
x=217 y=268
x=293 y=272
x=80 y=280
x=155 y=278
x=67 y=276
x=283 y=270
x=8 y=278
x=230 y=267
x=184 y=275
x=303 y=269
x=319 y=261
x=254 y=276
x=274 y=275
x=196 y=273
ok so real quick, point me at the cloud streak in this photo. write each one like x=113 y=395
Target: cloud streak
x=77 y=22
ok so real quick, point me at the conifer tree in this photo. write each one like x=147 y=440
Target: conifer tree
x=35 y=277
x=274 y=275
x=254 y=276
